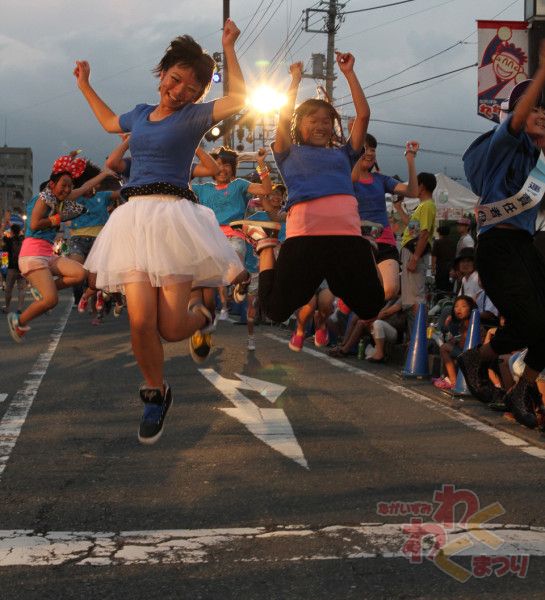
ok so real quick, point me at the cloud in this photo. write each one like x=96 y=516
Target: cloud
x=16 y=55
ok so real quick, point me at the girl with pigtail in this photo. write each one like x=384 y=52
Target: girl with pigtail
x=323 y=232
x=47 y=272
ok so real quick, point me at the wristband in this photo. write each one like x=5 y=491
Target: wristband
x=55 y=220
x=263 y=174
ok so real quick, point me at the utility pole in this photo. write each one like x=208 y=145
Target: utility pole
x=226 y=14
x=333 y=20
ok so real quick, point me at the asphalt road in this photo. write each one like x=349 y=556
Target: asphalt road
x=275 y=476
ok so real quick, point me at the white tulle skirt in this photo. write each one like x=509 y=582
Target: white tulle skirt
x=163 y=240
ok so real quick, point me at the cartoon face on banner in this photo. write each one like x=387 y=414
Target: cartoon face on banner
x=503 y=62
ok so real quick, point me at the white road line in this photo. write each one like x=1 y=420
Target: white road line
x=505 y=438
x=3 y=397
x=251 y=544
x=17 y=411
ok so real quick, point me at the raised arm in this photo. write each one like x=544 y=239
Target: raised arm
x=265 y=187
x=397 y=204
x=105 y=116
x=115 y=160
x=207 y=166
x=409 y=189
x=89 y=185
x=236 y=92
x=528 y=101
x=282 y=140
x=363 y=112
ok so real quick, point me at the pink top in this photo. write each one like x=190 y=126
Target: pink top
x=387 y=237
x=36 y=247
x=330 y=215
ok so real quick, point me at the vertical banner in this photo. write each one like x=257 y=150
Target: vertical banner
x=503 y=62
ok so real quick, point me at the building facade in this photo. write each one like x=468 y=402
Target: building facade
x=15 y=177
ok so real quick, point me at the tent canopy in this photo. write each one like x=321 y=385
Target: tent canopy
x=452 y=199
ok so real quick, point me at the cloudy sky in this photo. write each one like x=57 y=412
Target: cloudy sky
x=41 y=107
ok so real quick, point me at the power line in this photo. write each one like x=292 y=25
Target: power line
x=253 y=17
x=418 y=91
x=427 y=126
x=442 y=152
x=401 y=87
x=349 y=12
x=248 y=46
x=273 y=67
x=285 y=47
x=462 y=41
x=395 y=20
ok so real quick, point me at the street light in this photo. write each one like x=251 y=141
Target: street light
x=534 y=9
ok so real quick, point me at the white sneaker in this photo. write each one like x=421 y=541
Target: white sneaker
x=251 y=343
x=224 y=315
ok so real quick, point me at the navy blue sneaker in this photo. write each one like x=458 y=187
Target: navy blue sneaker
x=156 y=405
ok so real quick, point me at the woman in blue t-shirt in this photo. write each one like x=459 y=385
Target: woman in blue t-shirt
x=161 y=244
x=323 y=233
x=510 y=267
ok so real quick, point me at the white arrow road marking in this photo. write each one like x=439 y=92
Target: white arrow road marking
x=267 y=389
x=3 y=397
x=270 y=425
x=292 y=543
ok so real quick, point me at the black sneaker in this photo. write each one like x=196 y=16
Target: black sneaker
x=475 y=373
x=498 y=400
x=523 y=400
x=156 y=405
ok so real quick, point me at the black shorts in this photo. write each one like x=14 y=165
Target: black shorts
x=386 y=252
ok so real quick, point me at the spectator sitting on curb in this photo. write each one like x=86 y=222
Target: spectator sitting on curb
x=458 y=325
x=389 y=326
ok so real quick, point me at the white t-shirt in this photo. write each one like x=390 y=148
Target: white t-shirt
x=466 y=241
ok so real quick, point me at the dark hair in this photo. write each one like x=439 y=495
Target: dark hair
x=443 y=230
x=54 y=177
x=280 y=188
x=470 y=302
x=186 y=52
x=91 y=170
x=371 y=141
x=15 y=228
x=428 y=180
x=227 y=156
x=309 y=107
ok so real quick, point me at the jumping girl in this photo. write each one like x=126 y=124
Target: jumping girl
x=161 y=245
x=370 y=188
x=37 y=261
x=323 y=233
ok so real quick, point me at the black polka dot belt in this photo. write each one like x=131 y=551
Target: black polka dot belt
x=160 y=188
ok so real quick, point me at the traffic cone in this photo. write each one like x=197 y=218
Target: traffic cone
x=417 y=357
x=473 y=339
